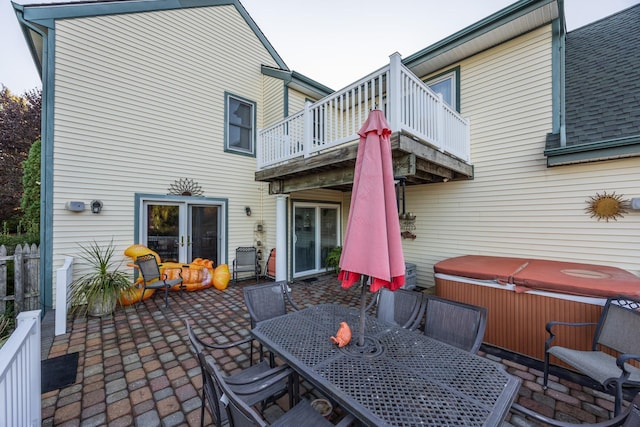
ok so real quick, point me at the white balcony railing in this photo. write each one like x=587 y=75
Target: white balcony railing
x=408 y=103
x=20 y=373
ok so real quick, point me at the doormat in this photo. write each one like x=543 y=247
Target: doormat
x=310 y=280
x=59 y=372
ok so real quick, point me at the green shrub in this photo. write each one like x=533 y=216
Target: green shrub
x=332 y=260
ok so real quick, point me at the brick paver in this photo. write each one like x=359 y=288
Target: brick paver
x=136 y=368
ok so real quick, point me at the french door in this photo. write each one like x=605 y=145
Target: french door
x=180 y=231
x=315 y=232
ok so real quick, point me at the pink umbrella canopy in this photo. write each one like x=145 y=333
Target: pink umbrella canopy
x=372 y=244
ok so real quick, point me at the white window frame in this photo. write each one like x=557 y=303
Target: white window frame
x=453 y=77
x=251 y=151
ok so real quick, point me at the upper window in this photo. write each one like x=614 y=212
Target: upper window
x=239 y=125
x=448 y=85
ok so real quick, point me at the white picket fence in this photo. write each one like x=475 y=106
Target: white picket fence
x=20 y=374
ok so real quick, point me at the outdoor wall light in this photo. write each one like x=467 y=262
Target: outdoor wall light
x=247 y=210
x=96 y=206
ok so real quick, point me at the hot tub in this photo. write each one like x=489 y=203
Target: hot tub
x=522 y=295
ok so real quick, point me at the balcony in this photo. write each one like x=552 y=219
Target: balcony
x=316 y=147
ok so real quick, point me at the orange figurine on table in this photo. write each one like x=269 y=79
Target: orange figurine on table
x=343 y=336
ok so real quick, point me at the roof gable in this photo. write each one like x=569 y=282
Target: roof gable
x=44 y=16
x=506 y=24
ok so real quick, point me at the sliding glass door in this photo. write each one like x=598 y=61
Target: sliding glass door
x=315 y=232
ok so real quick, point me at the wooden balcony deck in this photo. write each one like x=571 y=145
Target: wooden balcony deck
x=316 y=148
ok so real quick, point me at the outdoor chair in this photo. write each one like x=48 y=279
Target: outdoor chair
x=241 y=414
x=266 y=301
x=617 y=329
x=403 y=308
x=256 y=384
x=629 y=418
x=455 y=323
x=246 y=261
x=153 y=279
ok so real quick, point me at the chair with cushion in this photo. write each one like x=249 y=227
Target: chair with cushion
x=241 y=414
x=455 y=323
x=153 y=279
x=403 y=308
x=246 y=261
x=629 y=418
x=617 y=329
x=266 y=301
x=256 y=384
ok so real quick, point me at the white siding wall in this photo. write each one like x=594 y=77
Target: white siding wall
x=273 y=100
x=516 y=206
x=296 y=101
x=140 y=104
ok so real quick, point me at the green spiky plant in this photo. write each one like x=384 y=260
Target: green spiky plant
x=6 y=327
x=102 y=286
x=332 y=260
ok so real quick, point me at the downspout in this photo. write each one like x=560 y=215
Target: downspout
x=558 y=74
x=46 y=71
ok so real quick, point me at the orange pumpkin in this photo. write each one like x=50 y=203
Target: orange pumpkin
x=221 y=277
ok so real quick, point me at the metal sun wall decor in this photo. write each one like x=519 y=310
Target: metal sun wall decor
x=185 y=187
x=607 y=206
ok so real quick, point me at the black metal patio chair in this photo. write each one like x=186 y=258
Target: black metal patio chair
x=403 y=308
x=241 y=414
x=255 y=384
x=455 y=323
x=153 y=279
x=266 y=301
x=629 y=418
x=246 y=261
x=618 y=329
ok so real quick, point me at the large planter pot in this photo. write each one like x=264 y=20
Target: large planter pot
x=102 y=306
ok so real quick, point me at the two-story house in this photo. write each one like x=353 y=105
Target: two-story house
x=183 y=124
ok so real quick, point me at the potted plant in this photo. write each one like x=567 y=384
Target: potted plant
x=332 y=260
x=96 y=292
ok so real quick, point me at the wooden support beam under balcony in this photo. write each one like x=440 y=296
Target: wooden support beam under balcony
x=333 y=169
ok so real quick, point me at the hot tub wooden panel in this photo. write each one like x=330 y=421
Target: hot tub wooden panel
x=516 y=321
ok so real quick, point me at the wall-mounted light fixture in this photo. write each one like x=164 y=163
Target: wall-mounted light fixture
x=74 y=206
x=247 y=210
x=96 y=206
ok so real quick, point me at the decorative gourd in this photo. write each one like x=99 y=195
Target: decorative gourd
x=343 y=336
x=221 y=277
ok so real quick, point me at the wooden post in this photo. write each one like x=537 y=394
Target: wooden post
x=18 y=279
x=3 y=279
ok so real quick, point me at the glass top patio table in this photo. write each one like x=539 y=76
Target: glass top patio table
x=399 y=378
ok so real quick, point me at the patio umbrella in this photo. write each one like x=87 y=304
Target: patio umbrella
x=372 y=245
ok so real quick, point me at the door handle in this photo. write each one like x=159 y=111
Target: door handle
x=188 y=240
x=181 y=240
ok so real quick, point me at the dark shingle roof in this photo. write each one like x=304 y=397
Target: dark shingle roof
x=603 y=79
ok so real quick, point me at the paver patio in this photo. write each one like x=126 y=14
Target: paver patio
x=136 y=367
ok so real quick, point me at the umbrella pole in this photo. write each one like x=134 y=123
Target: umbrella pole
x=363 y=306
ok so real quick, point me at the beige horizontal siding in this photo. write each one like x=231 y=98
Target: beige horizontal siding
x=273 y=100
x=139 y=105
x=516 y=206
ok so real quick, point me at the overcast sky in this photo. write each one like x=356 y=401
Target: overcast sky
x=334 y=42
